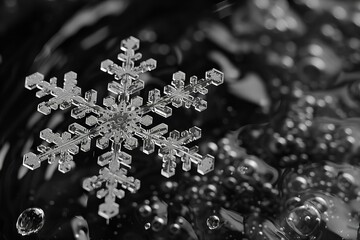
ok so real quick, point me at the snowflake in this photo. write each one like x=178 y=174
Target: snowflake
x=122 y=120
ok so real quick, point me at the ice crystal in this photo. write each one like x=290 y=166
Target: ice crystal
x=122 y=120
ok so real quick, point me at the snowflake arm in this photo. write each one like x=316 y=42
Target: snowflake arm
x=174 y=146
x=127 y=74
x=112 y=175
x=178 y=94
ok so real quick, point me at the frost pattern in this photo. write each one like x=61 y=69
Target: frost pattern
x=122 y=120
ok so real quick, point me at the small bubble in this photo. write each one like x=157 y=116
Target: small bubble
x=30 y=221
x=157 y=224
x=145 y=210
x=345 y=181
x=208 y=191
x=175 y=228
x=147 y=226
x=243 y=169
x=213 y=222
x=168 y=186
x=298 y=184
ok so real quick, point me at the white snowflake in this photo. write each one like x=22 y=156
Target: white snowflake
x=121 y=120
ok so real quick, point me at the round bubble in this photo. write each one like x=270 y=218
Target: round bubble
x=30 y=221
x=213 y=222
x=147 y=226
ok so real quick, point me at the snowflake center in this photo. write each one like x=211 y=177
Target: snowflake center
x=122 y=119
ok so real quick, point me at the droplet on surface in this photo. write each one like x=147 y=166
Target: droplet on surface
x=30 y=221
x=213 y=222
x=147 y=226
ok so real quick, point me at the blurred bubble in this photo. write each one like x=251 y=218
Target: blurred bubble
x=157 y=224
x=345 y=181
x=175 y=228
x=319 y=202
x=243 y=169
x=298 y=184
x=208 y=191
x=147 y=226
x=145 y=210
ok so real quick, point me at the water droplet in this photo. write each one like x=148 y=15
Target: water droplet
x=304 y=220
x=213 y=222
x=147 y=226
x=30 y=221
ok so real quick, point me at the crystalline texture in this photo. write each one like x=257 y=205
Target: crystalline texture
x=121 y=121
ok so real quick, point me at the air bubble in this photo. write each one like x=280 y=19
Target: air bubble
x=175 y=228
x=213 y=222
x=320 y=203
x=147 y=226
x=304 y=220
x=30 y=221
x=157 y=224
x=243 y=170
x=145 y=210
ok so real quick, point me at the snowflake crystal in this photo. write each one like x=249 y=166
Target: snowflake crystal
x=121 y=120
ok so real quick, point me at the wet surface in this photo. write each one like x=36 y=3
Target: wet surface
x=284 y=128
